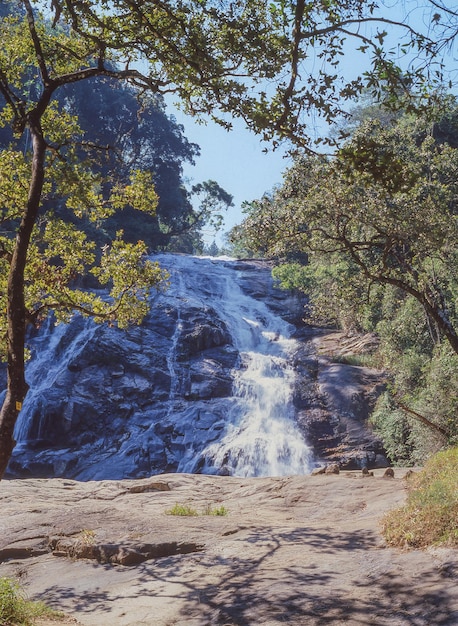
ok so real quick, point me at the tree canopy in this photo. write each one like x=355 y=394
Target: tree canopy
x=371 y=236
x=132 y=135
x=271 y=64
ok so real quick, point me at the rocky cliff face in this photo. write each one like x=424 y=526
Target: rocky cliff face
x=222 y=377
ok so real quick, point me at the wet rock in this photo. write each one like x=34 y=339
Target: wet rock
x=336 y=399
x=106 y=403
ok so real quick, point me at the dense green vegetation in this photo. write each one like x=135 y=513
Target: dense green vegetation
x=371 y=236
x=430 y=516
x=16 y=610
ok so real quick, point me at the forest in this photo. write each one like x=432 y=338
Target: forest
x=370 y=235
x=365 y=222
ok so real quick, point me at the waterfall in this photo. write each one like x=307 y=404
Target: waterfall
x=261 y=437
x=172 y=353
x=205 y=384
x=52 y=351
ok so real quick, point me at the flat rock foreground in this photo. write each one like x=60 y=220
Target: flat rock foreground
x=296 y=550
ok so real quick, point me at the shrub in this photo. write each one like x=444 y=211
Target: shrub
x=433 y=395
x=394 y=428
x=15 y=610
x=430 y=516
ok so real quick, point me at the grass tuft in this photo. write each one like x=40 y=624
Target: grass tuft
x=16 y=610
x=219 y=511
x=430 y=516
x=186 y=510
x=358 y=360
x=182 y=510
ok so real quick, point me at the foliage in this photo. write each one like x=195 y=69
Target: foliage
x=15 y=610
x=236 y=244
x=183 y=510
x=42 y=256
x=337 y=295
x=139 y=135
x=122 y=136
x=378 y=225
x=439 y=394
x=426 y=384
x=59 y=252
x=271 y=64
x=189 y=511
x=424 y=378
x=430 y=516
x=210 y=200
x=386 y=215
x=211 y=249
x=394 y=428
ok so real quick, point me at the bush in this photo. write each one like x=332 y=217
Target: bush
x=430 y=516
x=394 y=428
x=433 y=395
x=15 y=610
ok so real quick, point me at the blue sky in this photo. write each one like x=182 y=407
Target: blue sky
x=242 y=164
x=236 y=160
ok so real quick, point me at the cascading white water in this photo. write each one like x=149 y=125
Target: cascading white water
x=261 y=436
x=171 y=356
x=52 y=351
x=205 y=385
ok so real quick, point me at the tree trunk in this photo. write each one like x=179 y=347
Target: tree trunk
x=424 y=420
x=433 y=310
x=443 y=324
x=16 y=311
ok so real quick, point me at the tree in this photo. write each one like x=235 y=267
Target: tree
x=242 y=58
x=212 y=249
x=136 y=137
x=378 y=225
x=385 y=205
x=144 y=138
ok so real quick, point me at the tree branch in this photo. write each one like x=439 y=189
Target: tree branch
x=36 y=43
x=424 y=420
